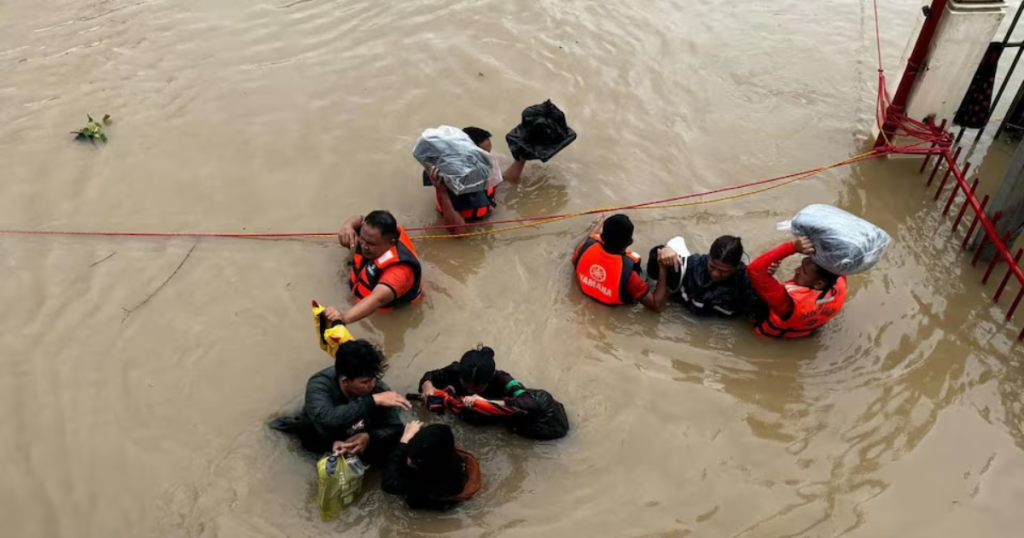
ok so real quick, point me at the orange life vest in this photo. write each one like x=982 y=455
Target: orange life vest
x=602 y=276
x=811 y=310
x=473 y=478
x=475 y=211
x=366 y=273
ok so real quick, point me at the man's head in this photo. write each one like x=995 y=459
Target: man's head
x=358 y=365
x=476 y=369
x=378 y=233
x=725 y=257
x=479 y=137
x=617 y=234
x=811 y=275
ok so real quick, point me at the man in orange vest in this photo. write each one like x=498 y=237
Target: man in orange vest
x=457 y=210
x=799 y=307
x=385 y=269
x=609 y=273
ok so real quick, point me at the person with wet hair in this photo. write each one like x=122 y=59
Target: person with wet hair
x=608 y=272
x=708 y=285
x=348 y=409
x=801 y=306
x=485 y=395
x=459 y=209
x=385 y=268
x=473 y=378
x=429 y=470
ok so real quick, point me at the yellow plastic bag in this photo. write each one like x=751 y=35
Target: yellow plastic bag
x=330 y=337
x=338 y=482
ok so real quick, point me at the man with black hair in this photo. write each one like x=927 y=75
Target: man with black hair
x=712 y=284
x=457 y=210
x=348 y=409
x=609 y=273
x=385 y=268
x=799 y=307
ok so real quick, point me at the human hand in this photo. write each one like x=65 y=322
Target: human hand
x=353 y=445
x=668 y=258
x=391 y=399
x=803 y=245
x=435 y=177
x=411 y=429
x=773 y=268
x=348 y=236
x=468 y=401
x=427 y=389
x=332 y=314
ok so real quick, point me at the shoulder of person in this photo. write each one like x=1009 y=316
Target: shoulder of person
x=327 y=374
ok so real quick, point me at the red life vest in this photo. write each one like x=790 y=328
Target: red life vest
x=602 y=276
x=476 y=210
x=811 y=310
x=366 y=273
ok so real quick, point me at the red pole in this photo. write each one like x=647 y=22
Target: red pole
x=1006 y=277
x=914 y=63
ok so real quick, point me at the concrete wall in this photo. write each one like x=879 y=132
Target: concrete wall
x=960 y=42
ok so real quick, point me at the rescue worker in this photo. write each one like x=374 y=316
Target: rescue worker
x=799 y=307
x=457 y=210
x=348 y=409
x=385 y=269
x=609 y=273
x=712 y=284
x=429 y=471
x=486 y=395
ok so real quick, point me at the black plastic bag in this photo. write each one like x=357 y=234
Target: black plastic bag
x=541 y=135
x=549 y=423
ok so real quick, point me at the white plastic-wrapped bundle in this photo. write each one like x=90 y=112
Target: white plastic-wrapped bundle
x=463 y=166
x=844 y=244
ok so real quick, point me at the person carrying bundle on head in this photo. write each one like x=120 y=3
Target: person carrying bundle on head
x=835 y=244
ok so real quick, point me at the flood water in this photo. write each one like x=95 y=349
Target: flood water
x=133 y=414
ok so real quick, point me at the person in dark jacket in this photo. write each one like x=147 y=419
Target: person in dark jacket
x=475 y=380
x=429 y=471
x=712 y=284
x=348 y=410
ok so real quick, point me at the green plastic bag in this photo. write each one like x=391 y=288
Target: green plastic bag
x=339 y=480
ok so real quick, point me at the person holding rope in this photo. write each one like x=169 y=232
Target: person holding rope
x=799 y=307
x=609 y=273
x=460 y=209
x=385 y=268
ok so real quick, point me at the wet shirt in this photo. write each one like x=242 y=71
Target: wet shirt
x=335 y=417
x=702 y=296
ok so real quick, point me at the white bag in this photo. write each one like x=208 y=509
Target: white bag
x=844 y=244
x=463 y=166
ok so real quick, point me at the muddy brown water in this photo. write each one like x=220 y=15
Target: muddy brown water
x=135 y=418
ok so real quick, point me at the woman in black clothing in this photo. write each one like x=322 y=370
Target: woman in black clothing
x=532 y=413
x=474 y=378
x=429 y=471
